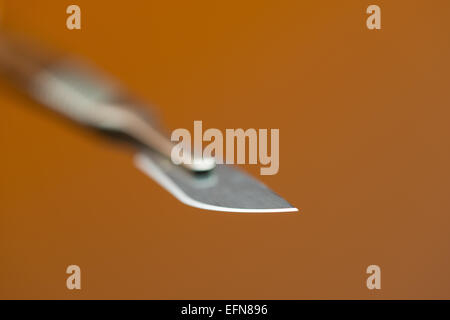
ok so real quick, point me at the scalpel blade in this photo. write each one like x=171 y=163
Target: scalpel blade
x=225 y=188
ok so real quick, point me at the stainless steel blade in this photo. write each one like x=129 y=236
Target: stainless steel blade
x=225 y=188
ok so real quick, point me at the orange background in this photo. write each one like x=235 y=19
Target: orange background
x=364 y=133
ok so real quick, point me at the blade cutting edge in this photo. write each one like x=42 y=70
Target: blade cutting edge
x=225 y=189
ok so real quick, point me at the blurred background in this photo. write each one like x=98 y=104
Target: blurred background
x=364 y=152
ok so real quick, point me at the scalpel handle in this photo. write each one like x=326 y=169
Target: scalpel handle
x=76 y=91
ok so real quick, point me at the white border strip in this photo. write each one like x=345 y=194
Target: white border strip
x=145 y=164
